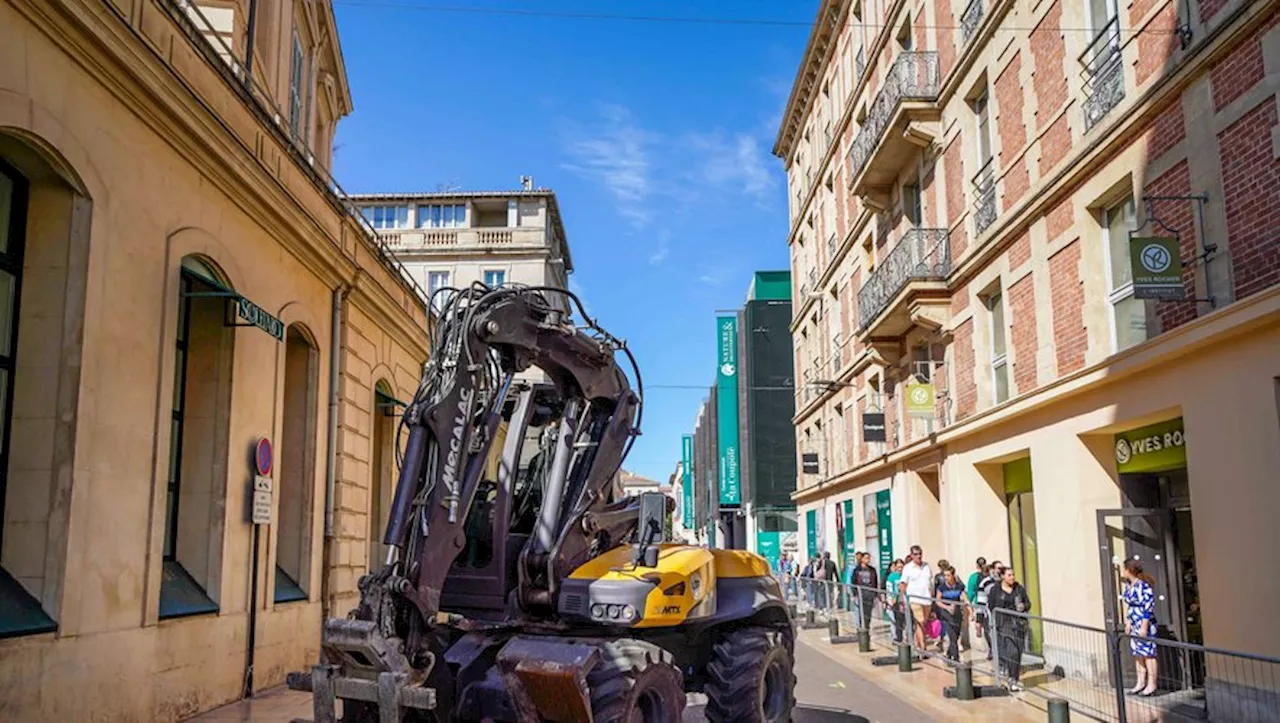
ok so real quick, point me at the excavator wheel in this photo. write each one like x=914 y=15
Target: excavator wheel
x=750 y=678
x=635 y=682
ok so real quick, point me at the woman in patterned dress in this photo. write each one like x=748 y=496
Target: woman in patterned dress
x=1140 y=599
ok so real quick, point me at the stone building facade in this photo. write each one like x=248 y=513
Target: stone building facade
x=966 y=180
x=181 y=279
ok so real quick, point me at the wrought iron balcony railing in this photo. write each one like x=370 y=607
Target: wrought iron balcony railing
x=923 y=254
x=1103 y=74
x=913 y=76
x=831 y=246
x=859 y=65
x=971 y=19
x=984 y=195
x=836 y=347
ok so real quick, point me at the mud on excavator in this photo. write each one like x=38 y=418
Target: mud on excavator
x=519 y=586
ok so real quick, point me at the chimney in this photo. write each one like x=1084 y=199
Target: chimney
x=527 y=182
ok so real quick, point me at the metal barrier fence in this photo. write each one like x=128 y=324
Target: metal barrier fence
x=1093 y=669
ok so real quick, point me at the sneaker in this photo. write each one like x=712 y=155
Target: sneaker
x=1015 y=686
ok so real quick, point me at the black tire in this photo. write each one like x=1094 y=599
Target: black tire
x=635 y=682
x=751 y=678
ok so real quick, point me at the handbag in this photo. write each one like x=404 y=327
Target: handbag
x=934 y=629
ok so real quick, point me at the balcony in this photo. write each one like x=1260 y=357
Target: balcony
x=450 y=239
x=859 y=65
x=903 y=118
x=909 y=288
x=1103 y=74
x=971 y=19
x=832 y=245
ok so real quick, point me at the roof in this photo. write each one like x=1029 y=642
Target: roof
x=553 y=206
x=831 y=18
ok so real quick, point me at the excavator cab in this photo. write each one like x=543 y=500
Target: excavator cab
x=520 y=588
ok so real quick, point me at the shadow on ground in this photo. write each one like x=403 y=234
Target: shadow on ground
x=802 y=714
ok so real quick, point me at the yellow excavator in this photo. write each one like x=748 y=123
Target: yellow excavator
x=519 y=586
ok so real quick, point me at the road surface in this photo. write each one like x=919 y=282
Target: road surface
x=828 y=692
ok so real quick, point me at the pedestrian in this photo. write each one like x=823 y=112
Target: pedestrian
x=864 y=577
x=951 y=599
x=1010 y=595
x=971 y=589
x=936 y=629
x=919 y=578
x=830 y=577
x=1140 y=622
x=995 y=573
x=894 y=600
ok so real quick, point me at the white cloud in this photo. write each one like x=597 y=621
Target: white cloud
x=661 y=253
x=617 y=156
x=733 y=162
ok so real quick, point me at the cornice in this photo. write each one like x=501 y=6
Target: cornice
x=832 y=15
x=112 y=50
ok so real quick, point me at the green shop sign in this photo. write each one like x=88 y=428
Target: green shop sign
x=1157 y=267
x=1155 y=448
x=920 y=400
x=727 y=408
x=257 y=316
x=686 y=478
x=811 y=532
x=769 y=546
x=884 y=522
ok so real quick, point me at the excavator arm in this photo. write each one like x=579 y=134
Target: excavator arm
x=385 y=654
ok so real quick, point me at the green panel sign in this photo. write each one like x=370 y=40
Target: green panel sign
x=884 y=519
x=727 y=408
x=811 y=532
x=1155 y=448
x=850 y=546
x=920 y=400
x=686 y=478
x=769 y=546
x=1157 y=267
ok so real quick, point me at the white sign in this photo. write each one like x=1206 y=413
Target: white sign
x=261 y=510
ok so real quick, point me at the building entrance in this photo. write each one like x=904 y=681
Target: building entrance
x=1157 y=531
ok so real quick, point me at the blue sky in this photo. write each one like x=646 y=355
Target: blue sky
x=656 y=138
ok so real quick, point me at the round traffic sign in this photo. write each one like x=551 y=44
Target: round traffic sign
x=262 y=457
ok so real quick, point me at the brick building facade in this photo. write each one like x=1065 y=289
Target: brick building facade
x=964 y=180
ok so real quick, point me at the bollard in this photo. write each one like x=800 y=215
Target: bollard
x=904 y=658
x=810 y=617
x=792 y=609
x=1059 y=710
x=833 y=627
x=964 y=681
x=864 y=641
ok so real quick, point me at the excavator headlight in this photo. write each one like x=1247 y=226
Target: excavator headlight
x=597 y=610
x=628 y=613
x=615 y=611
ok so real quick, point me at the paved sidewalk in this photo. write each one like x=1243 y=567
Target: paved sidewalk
x=923 y=686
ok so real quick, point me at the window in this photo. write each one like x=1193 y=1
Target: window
x=21 y=577
x=1128 y=315
x=295 y=87
x=494 y=278
x=999 y=360
x=296 y=483
x=382 y=472
x=911 y=203
x=922 y=363
x=387 y=217
x=452 y=215
x=437 y=280
x=982 y=118
x=195 y=490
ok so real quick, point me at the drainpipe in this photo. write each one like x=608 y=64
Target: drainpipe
x=331 y=461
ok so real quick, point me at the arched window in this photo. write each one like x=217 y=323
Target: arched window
x=196 y=491
x=382 y=472
x=44 y=246
x=297 y=473
x=24 y=516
